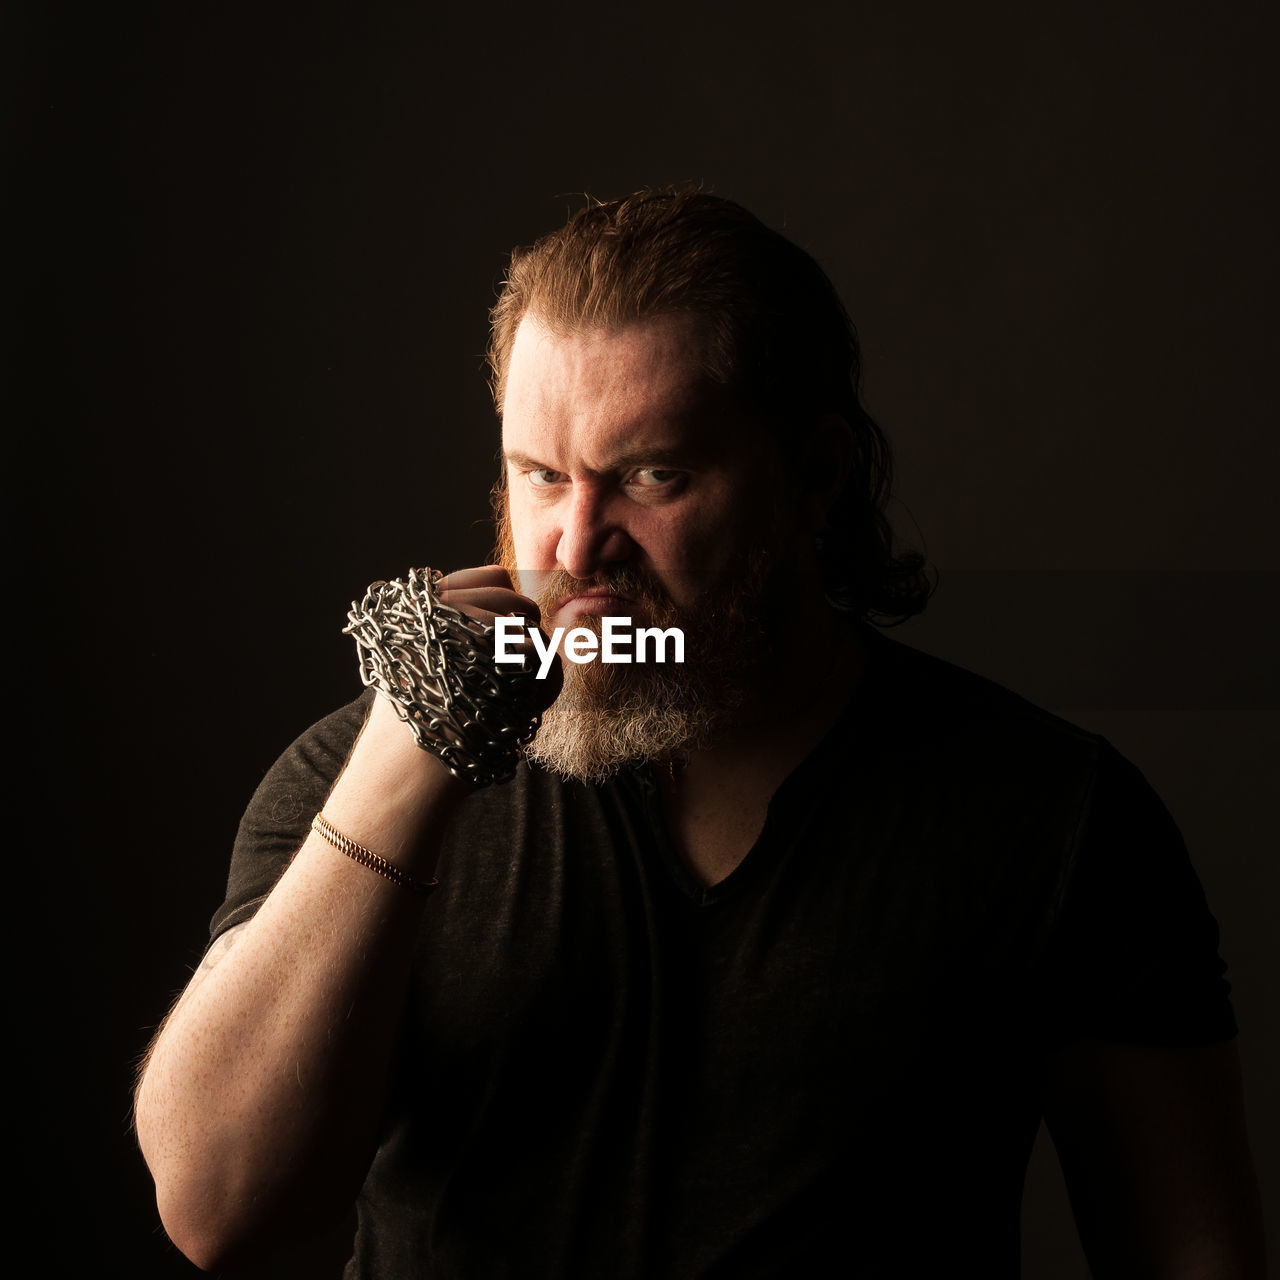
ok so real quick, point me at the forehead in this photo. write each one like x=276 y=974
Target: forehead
x=595 y=386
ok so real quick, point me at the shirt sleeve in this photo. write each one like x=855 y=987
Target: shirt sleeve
x=279 y=816
x=1136 y=957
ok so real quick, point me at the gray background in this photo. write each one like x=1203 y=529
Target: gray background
x=254 y=257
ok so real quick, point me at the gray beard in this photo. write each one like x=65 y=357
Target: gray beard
x=608 y=718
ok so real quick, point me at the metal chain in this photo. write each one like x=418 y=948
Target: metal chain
x=435 y=665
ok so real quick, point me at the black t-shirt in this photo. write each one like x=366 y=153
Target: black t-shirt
x=834 y=1054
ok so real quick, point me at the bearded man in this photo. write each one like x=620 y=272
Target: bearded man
x=764 y=964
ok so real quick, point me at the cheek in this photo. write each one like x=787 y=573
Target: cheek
x=691 y=555
x=533 y=538
x=711 y=537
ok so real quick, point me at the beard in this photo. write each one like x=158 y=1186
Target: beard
x=611 y=716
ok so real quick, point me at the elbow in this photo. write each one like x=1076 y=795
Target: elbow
x=200 y=1243
x=227 y=1192
x=195 y=1197
x=200 y=1213
x=206 y=1227
x=226 y=1226
x=225 y=1210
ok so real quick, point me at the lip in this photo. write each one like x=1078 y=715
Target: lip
x=600 y=604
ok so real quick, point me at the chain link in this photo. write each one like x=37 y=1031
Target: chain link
x=435 y=665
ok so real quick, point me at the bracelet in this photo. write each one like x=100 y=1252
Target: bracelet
x=435 y=665
x=367 y=858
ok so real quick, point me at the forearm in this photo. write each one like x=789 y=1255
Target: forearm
x=262 y=1096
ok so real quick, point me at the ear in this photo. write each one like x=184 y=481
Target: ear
x=824 y=469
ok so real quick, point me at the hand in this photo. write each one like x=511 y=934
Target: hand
x=487 y=593
x=473 y=716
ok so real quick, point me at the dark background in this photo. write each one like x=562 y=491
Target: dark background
x=253 y=257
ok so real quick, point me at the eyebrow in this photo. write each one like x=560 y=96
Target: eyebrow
x=650 y=457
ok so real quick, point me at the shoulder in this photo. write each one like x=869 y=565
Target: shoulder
x=976 y=765
x=929 y=689
x=939 y=714
x=1034 y=800
x=919 y=711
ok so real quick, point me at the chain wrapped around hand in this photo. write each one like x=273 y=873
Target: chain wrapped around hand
x=435 y=665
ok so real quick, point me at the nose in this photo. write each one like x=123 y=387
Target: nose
x=590 y=537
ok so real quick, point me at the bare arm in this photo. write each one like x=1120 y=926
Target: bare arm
x=259 y=1107
x=1154 y=1150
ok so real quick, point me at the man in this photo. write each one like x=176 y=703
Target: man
x=765 y=964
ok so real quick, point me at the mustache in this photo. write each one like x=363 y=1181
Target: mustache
x=621 y=580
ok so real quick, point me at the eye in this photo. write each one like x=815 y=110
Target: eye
x=654 y=477
x=544 y=477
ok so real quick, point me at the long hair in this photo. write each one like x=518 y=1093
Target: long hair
x=778 y=340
